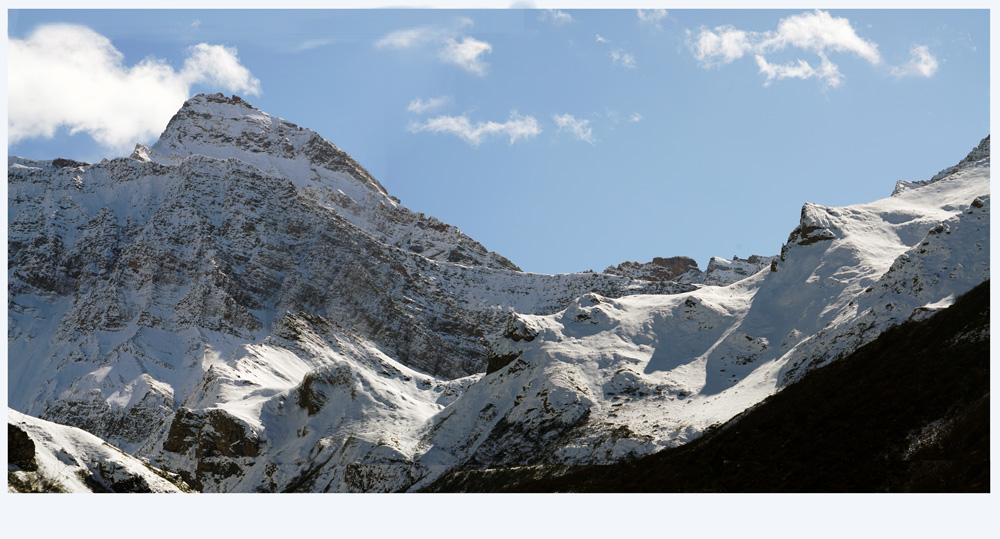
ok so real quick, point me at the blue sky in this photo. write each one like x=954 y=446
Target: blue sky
x=564 y=140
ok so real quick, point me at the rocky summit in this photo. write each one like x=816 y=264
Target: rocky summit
x=244 y=308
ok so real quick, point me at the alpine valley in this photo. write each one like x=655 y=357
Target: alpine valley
x=242 y=307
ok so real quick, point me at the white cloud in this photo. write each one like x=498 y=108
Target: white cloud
x=409 y=37
x=516 y=127
x=618 y=55
x=313 y=44
x=817 y=32
x=462 y=51
x=219 y=66
x=579 y=128
x=465 y=22
x=556 y=17
x=66 y=75
x=466 y=54
x=651 y=16
x=636 y=117
x=419 y=106
x=195 y=24
x=922 y=64
x=722 y=46
x=622 y=58
x=827 y=71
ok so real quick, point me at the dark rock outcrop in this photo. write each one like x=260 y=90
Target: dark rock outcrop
x=660 y=269
x=68 y=163
x=218 y=442
x=20 y=449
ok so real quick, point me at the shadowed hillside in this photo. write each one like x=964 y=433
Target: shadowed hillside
x=909 y=412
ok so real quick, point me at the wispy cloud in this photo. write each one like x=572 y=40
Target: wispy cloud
x=313 y=44
x=410 y=37
x=580 y=128
x=618 y=55
x=636 y=117
x=196 y=24
x=466 y=54
x=556 y=17
x=622 y=58
x=651 y=16
x=516 y=127
x=817 y=32
x=463 y=51
x=419 y=106
x=116 y=104
x=922 y=64
x=800 y=69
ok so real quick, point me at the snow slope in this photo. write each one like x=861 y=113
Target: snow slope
x=46 y=457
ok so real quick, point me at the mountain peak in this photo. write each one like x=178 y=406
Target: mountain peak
x=229 y=128
x=221 y=127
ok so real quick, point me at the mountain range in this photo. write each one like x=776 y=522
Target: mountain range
x=242 y=307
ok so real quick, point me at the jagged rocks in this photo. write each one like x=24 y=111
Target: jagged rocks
x=221 y=445
x=214 y=433
x=722 y=272
x=681 y=269
x=814 y=226
x=68 y=163
x=660 y=269
x=310 y=394
x=502 y=349
x=20 y=449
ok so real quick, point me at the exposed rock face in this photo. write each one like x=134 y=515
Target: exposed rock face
x=68 y=163
x=502 y=350
x=20 y=448
x=681 y=269
x=221 y=445
x=660 y=269
x=722 y=272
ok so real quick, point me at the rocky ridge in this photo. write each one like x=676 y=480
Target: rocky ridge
x=682 y=269
x=659 y=269
x=977 y=157
x=244 y=305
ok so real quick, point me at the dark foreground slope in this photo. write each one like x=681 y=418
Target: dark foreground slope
x=909 y=412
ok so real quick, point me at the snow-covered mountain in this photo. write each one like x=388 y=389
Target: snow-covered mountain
x=609 y=378
x=186 y=276
x=46 y=457
x=243 y=304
